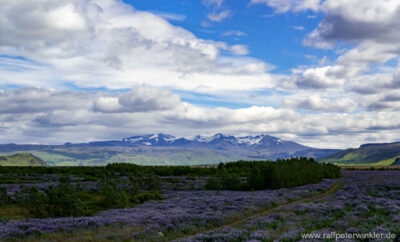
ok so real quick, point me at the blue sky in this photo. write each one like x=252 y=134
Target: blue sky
x=324 y=73
x=271 y=37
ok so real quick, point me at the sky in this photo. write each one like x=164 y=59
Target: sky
x=324 y=73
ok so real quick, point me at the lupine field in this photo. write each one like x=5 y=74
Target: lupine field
x=200 y=205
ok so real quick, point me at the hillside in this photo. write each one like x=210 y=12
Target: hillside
x=163 y=149
x=368 y=154
x=21 y=159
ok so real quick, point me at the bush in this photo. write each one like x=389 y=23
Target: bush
x=4 y=197
x=273 y=175
x=213 y=183
x=225 y=181
x=230 y=181
x=36 y=203
x=113 y=196
x=145 y=196
x=143 y=182
x=60 y=201
x=63 y=201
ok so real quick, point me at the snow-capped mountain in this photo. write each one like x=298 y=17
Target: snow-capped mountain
x=215 y=141
x=150 y=139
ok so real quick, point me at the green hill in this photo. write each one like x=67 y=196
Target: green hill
x=384 y=154
x=21 y=159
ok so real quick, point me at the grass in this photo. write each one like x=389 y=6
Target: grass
x=99 y=234
x=21 y=159
x=13 y=211
x=99 y=156
x=387 y=162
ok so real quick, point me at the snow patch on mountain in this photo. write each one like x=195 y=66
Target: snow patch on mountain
x=165 y=139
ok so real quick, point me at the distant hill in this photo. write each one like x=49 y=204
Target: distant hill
x=164 y=149
x=21 y=159
x=368 y=154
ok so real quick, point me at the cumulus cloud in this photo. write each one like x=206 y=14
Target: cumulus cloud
x=316 y=103
x=110 y=44
x=40 y=100
x=369 y=29
x=360 y=20
x=321 y=77
x=240 y=49
x=140 y=99
x=376 y=83
x=61 y=116
x=371 y=26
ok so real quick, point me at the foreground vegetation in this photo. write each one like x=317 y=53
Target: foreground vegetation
x=122 y=185
x=64 y=199
x=359 y=202
x=76 y=192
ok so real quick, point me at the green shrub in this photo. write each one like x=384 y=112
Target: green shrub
x=213 y=183
x=230 y=181
x=143 y=182
x=113 y=196
x=145 y=196
x=273 y=175
x=63 y=201
x=36 y=203
x=4 y=197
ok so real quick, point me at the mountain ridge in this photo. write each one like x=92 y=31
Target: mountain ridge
x=374 y=154
x=21 y=159
x=165 y=149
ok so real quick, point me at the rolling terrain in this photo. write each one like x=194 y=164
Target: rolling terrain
x=384 y=154
x=162 y=149
x=21 y=159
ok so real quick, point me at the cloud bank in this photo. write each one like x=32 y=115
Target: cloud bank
x=101 y=69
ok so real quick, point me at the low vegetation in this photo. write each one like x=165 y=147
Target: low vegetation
x=272 y=175
x=65 y=199
x=94 y=196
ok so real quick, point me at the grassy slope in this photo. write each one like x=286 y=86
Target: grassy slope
x=21 y=159
x=370 y=155
x=92 y=156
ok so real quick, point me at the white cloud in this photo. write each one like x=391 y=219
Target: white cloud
x=234 y=33
x=321 y=77
x=170 y=16
x=216 y=3
x=370 y=31
x=240 y=49
x=316 y=103
x=283 y=6
x=218 y=13
x=60 y=116
x=219 y=16
x=106 y=43
x=110 y=44
x=301 y=28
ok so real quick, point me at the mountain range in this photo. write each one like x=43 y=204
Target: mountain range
x=164 y=149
